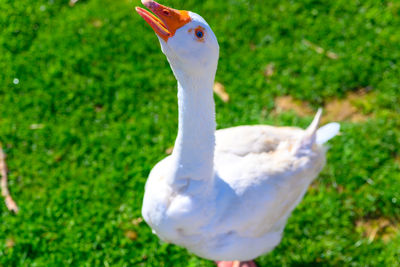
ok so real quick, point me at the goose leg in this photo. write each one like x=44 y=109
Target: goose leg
x=236 y=264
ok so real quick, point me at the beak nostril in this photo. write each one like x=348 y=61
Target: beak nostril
x=165 y=21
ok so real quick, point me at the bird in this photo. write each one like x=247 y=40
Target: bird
x=224 y=195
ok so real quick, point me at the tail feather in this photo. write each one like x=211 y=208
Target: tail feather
x=309 y=136
x=312 y=129
x=319 y=136
x=327 y=132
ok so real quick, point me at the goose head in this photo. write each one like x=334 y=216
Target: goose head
x=186 y=39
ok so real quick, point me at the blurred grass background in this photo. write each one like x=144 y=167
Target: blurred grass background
x=88 y=106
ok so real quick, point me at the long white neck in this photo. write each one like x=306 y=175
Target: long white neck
x=193 y=153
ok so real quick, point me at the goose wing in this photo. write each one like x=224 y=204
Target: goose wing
x=244 y=140
x=267 y=170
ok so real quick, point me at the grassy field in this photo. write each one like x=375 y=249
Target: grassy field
x=88 y=106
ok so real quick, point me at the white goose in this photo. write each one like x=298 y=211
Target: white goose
x=224 y=195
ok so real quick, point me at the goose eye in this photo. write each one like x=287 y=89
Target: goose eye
x=199 y=33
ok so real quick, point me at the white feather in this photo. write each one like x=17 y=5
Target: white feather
x=327 y=132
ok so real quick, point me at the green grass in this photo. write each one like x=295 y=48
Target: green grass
x=93 y=77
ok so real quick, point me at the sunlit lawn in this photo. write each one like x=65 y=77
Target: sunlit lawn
x=88 y=106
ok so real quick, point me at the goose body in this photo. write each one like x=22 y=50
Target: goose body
x=224 y=195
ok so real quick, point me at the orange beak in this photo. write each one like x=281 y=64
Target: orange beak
x=166 y=20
